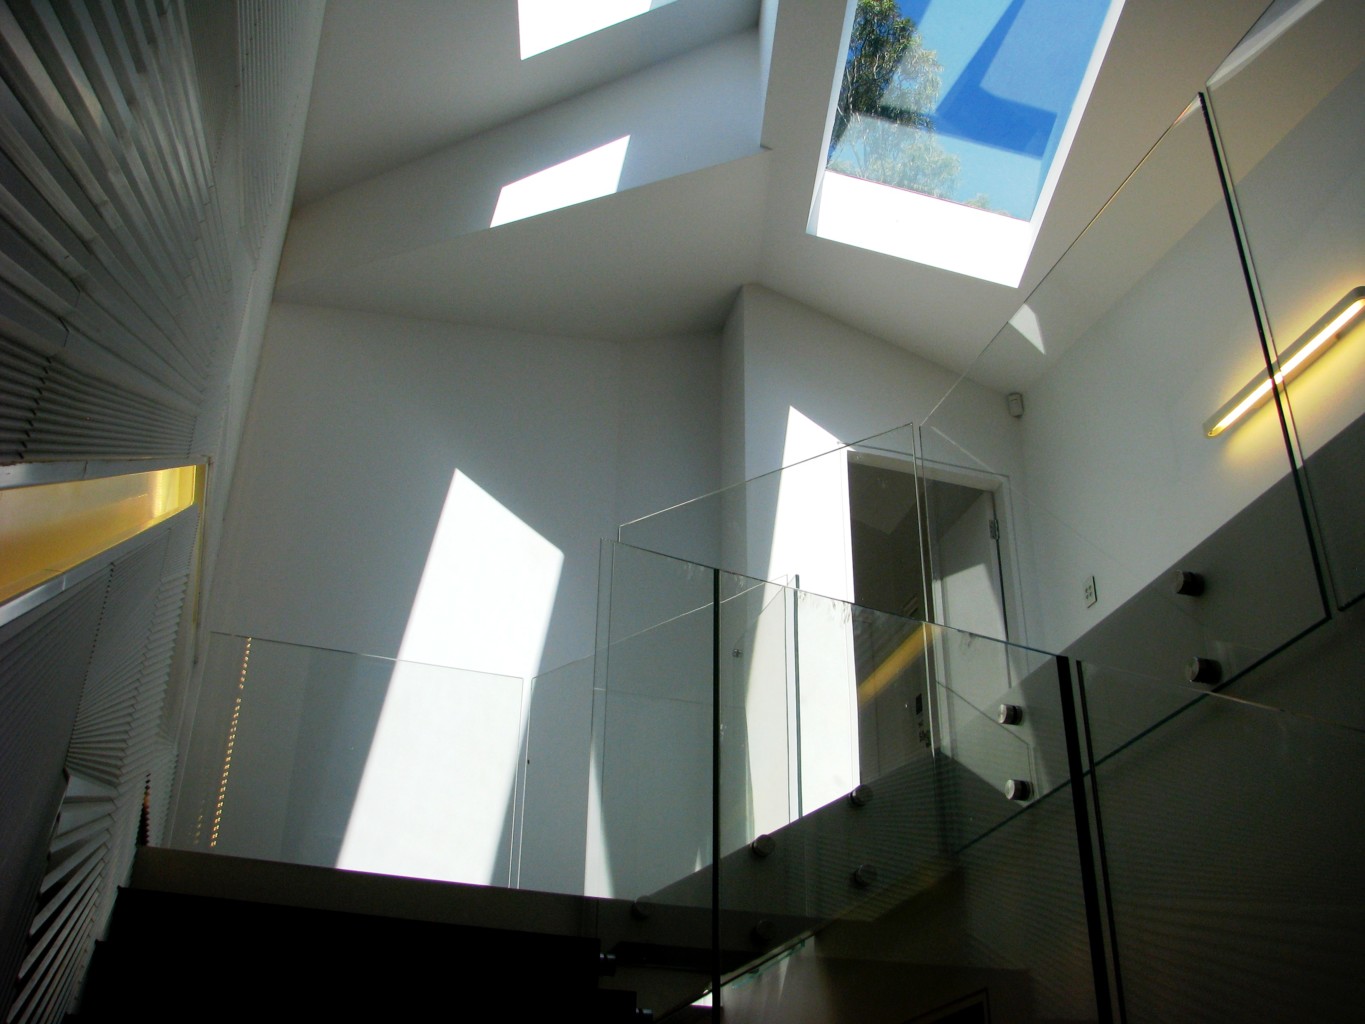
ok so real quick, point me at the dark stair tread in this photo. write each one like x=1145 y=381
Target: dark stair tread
x=172 y=956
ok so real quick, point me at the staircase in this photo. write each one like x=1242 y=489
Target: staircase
x=203 y=937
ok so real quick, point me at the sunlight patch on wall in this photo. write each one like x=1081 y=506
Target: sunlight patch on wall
x=590 y=175
x=487 y=591
x=1026 y=322
x=813 y=537
x=811 y=526
x=433 y=801
x=545 y=24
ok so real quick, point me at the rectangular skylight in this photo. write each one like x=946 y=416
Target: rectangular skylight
x=964 y=100
x=968 y=103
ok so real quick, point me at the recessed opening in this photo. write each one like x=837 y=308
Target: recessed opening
x=47 y=529
x=949 y=125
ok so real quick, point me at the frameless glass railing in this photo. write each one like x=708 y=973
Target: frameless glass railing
x=792 y=522
x=777 y=782
x=769 y=761
x=330 y=758
x=1229 y=839
x=1296 y=179
x=1140 y=541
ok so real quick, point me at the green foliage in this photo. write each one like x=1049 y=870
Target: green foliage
x=883 y=125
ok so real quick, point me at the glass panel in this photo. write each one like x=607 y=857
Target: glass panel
x=1292 y=127
x=1233 y=843
x=553 y=802
x=312 y=756
x=650 y=808
x=962 y=102
x=759 y=792
x=919 y=882
x=1088 y=409
x=791 y=522
x=651 y=821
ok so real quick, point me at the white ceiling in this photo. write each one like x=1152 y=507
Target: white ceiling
x=400 y=79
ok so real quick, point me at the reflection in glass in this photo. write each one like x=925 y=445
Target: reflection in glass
x=1291 y=125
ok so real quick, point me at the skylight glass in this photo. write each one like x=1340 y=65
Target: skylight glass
x=963 y=100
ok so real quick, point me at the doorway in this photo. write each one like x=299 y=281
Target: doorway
x=926 y=547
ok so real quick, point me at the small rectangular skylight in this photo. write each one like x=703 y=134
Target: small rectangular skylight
x=967 y=102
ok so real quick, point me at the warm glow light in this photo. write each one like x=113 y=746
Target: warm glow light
x=896 y=662
x=47 y=529
x=1316 y=340
x=591 y=175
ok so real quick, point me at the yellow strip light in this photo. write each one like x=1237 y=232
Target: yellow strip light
x=46 y=529
x=896 y=663
x=1315 y=341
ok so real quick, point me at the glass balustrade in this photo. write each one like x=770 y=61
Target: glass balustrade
x=1304 y=244
x=1231 y=838
x=862 y=763
x=330 y=758
x=1139 y=540
x=801 y=761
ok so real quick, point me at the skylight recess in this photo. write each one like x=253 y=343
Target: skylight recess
x=964 y=100
x=970 y=103
x=545 y=24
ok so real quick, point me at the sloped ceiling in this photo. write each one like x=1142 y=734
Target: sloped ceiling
x=399 y=80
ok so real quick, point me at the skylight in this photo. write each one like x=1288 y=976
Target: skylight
x=545 y=24
x=972 y=102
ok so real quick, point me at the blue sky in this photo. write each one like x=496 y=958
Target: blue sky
x=1011 y=72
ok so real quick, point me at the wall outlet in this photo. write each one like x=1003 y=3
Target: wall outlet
x=1091 y=595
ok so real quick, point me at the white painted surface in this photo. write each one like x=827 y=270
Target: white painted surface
x=544 y=24
x=810 y=383
x=695 y=111
x=807 y=384
x=433 y=799
x=462 y=74
x=590 y=175
x=916 y=227
x=1121 y=481
x=442 y=491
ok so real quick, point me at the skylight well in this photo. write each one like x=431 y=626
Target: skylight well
x=951 y=121
x=546 y=24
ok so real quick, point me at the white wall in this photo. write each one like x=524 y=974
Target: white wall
x=695 y=111
x=375 y=442
x=806 y=384
x=846 y=385
x=1121 y=481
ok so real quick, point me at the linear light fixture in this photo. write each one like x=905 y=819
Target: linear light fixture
x=1315 y=341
